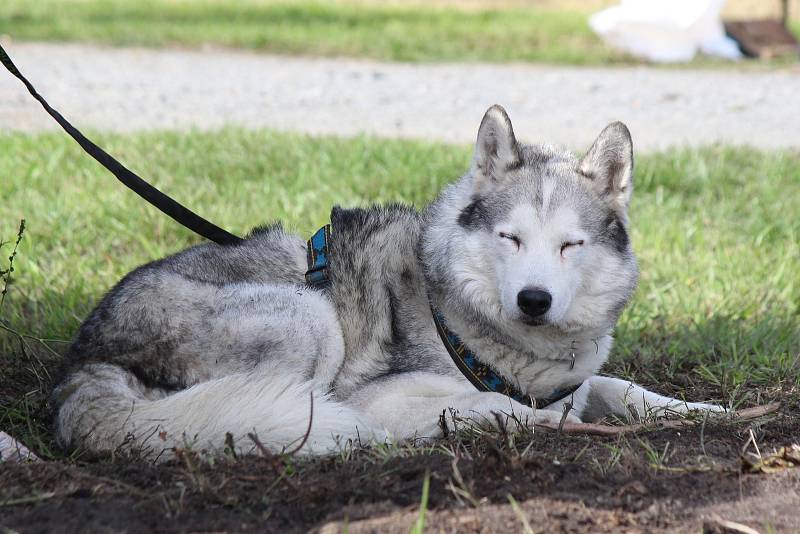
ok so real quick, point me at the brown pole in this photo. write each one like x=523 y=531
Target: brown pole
x=785 y=12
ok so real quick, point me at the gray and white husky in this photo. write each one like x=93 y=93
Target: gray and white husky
x=525 y=262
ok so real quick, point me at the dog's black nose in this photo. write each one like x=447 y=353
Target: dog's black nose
x=534 y=302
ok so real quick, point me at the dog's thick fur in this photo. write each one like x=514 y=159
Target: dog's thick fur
x=230 y=339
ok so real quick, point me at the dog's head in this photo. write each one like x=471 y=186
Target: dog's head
x=536 y=237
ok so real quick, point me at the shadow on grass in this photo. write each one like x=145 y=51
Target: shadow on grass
x=577 y=478
x=636 y=480
x=721 y=358
x=735 y=362
x=32 y=346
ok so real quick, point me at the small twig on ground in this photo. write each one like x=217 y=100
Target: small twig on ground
x=610 y=430
x=274 y=462
x=29 y=500
x=567 y=408
x=784 y=458
x=717 y=524
x=308 y=430
x=112 y=482
x=269 y=454
x=265 y=452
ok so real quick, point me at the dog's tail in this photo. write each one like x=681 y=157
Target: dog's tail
x=104 y=408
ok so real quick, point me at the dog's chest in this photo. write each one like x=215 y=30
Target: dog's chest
x=557 y=365
x=544 y=376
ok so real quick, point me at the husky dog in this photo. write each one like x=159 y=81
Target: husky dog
x=511 y=280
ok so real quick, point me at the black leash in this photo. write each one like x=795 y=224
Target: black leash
x=180 y=213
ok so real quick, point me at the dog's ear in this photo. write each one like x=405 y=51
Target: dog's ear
x=609 y=166
x=496 y=149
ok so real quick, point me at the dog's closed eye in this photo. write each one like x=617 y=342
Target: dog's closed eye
x=511 y=237
x=567 y=245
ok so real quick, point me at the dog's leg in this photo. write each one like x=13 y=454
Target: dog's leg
x=615 y=396
x=410 y=406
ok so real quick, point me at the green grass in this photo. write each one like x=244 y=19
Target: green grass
x=316 y=28
x=716 y=232
x=419 y=526
x=327 y=28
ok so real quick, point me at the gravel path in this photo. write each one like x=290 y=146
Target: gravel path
x=134 y=89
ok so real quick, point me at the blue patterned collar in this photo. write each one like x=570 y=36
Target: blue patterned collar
x=317 y=274
x=483 y=377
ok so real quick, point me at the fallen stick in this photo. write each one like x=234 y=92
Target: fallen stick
x=746 y=414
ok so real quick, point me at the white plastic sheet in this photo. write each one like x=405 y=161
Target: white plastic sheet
x=666 y=30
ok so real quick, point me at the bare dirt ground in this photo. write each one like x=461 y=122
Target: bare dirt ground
x=135 y=89
x=690 y=479
x=562 y=483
